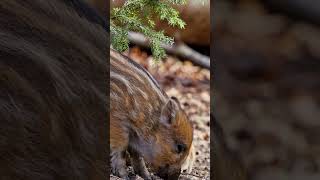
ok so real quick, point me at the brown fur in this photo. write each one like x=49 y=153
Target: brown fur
x=101 y=5
x=52 y=93
x=226 y=164
x=145 y=121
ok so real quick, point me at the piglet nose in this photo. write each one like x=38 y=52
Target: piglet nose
x=168 y=173
x=174 y=176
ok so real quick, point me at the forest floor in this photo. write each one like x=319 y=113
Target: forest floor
x=191 y=85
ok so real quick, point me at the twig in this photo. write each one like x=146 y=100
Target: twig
x=179 y=49
x=194 y=175
x=112 y=177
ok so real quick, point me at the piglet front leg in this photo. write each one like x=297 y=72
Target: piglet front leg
x=118 y=165
x=139 y=165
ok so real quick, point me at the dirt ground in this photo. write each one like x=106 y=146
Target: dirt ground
x=191 y=85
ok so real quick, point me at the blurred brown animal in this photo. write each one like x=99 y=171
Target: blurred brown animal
x=52 y=92
x=102 y=6
x=225 y=164
x=146 y=122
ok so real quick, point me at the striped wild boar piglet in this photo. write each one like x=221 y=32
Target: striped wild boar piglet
x=145 y=122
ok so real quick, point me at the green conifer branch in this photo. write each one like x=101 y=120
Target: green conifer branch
x=140 y=16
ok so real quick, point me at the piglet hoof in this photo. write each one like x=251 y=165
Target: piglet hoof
x=142 y=178
x=126 y=178
x=147 y=176
x=154 y=177
x=136 y=177
x=122 y=174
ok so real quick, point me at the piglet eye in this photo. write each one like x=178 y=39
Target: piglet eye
x=180 y=148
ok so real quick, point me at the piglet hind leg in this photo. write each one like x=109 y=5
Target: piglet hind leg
x=118 y=165
x=139 y=165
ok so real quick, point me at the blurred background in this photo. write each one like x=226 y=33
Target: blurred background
x=267 y=84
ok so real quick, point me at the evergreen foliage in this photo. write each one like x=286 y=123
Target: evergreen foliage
x=140 y=16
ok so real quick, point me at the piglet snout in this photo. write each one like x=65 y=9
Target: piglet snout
x=169 y=173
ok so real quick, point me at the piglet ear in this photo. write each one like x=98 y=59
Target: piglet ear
x=169 y=112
